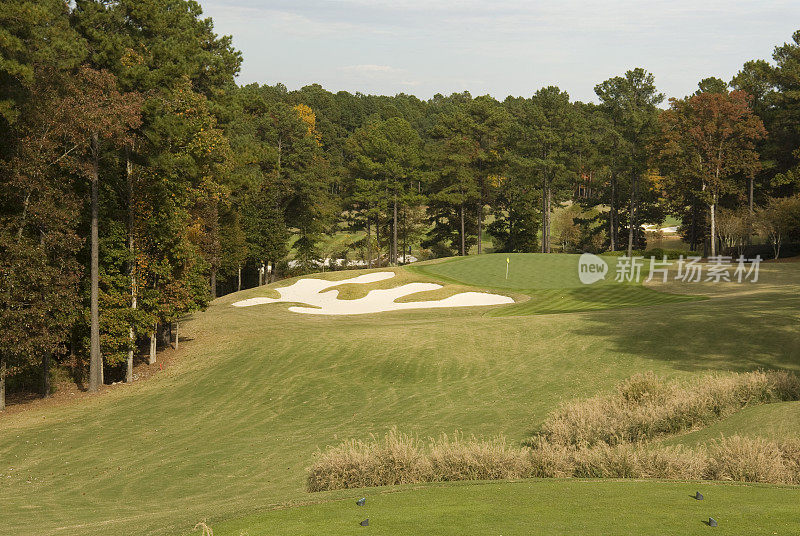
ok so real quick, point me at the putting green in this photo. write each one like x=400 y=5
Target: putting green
x=525 y=271
x=551 y=282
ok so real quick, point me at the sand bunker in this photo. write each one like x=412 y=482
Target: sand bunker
x=309 y=291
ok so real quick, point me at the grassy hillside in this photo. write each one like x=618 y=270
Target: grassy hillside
x=230 y=430
x=772 y=421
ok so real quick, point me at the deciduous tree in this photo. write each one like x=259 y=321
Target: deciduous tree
x=714 y=135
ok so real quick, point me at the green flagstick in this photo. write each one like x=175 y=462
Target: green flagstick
x=508 y=260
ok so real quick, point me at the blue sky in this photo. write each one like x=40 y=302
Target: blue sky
x=501 y=48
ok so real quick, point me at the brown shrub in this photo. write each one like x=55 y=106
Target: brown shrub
x=397 y=459
x=670 y=463
x=745 y=459
x=790 y=449
x=604 y=461
x=458 y=459
x=548 y=460
x=401 y=459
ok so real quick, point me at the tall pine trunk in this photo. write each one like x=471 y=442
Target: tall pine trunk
x=463 y=237
x=213 y=283
x=25 y=205
x=151 y=359
x=511 y=218
x=405 y=237
x=95 y=359
x=544 y=216
x=713 y=208
x=750 y=219
x=714 y=204
x=177 y=338
x=480 y=227
x=132 y=267
x=549 y=201
x=613 y=212
x=2 y=383
x=378 y=240
x=369 y=243
x=280 y=154
x=394 y=232
x=632 y=215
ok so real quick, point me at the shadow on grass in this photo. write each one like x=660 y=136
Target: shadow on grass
x=572 y=300
x=740 y=332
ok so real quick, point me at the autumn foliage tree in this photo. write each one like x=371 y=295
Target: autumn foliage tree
x=39 y=241
x=712 y=135
x=106 y=118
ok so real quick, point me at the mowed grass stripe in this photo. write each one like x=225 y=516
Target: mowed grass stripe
x=588 y=299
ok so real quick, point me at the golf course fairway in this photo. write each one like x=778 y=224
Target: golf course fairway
x=226 y=432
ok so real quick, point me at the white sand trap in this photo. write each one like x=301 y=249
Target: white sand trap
x=309 y=291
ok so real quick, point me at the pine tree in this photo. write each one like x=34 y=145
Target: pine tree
x=384 y=159
x=630 y=102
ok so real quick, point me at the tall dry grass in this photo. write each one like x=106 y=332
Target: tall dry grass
x=396 y=459
x=356 y=464
x=400 y=458
x=456 y=458
x=646 y=406
x=743 y=459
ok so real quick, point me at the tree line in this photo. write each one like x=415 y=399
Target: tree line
x=140 y=181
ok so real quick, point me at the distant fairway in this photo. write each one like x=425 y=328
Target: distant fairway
x=550 y=280
x=228 y=432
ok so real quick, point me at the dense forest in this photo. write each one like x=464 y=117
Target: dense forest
x=139 y=181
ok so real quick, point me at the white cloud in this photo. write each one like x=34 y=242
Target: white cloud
x=378 y=74
x=370 y=69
